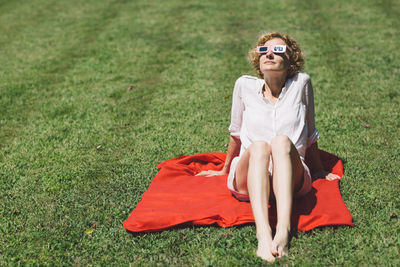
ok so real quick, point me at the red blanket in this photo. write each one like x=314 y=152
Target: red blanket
x=177 y=196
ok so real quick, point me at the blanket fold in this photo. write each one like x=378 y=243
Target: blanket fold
x=177 y=196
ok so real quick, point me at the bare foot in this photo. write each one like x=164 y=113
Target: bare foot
x=279 y=246
x=264 y=249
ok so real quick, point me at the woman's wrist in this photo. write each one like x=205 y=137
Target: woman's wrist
x=225 y=169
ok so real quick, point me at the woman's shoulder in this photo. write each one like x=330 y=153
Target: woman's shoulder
x=299 y=80
x=248 y=84
x=247 y=80
x=301 y=77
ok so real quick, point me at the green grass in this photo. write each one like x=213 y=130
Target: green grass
x=65 y=70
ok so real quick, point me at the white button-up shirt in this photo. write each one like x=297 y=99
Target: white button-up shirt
x=255 y=118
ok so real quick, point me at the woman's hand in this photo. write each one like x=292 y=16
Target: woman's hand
x=314 y=157
x=210 y=173
x=327 y=175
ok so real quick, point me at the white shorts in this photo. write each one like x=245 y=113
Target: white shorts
x=306 y=187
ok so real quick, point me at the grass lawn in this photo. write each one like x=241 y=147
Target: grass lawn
x=94 y=94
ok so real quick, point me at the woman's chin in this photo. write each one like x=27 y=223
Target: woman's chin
x=273 y=71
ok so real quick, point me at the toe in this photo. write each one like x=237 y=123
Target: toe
x=280 y=252
x=274 y=249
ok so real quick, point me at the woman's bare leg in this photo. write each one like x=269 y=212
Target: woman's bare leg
x=252 y=176
x=287 y=176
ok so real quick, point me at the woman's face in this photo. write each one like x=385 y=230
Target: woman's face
x=271 y=62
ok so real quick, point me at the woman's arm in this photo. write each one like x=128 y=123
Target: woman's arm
x=233 y=151
x=314 y=158
x=312 y=151
x=318 y=170
x=234 y=129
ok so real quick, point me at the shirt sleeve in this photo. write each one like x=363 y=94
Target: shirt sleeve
x=313 y=134
x=237 y=110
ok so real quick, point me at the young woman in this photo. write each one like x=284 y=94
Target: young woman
x=272 y=126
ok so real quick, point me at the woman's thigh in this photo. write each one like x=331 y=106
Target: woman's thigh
x=298 y=169
x=281 y=147
x=242 y=167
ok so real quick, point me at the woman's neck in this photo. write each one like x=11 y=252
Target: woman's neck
x=274 y=84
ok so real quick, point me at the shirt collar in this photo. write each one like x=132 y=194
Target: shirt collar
x=288 y=83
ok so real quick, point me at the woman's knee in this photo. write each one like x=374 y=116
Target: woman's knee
x=259 y=149
x=281 y=144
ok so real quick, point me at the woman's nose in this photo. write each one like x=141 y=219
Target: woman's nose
x=269 y=54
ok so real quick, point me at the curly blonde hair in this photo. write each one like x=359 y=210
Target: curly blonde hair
x=296 y=60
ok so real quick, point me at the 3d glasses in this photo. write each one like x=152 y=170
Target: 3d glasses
x=279 y=49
